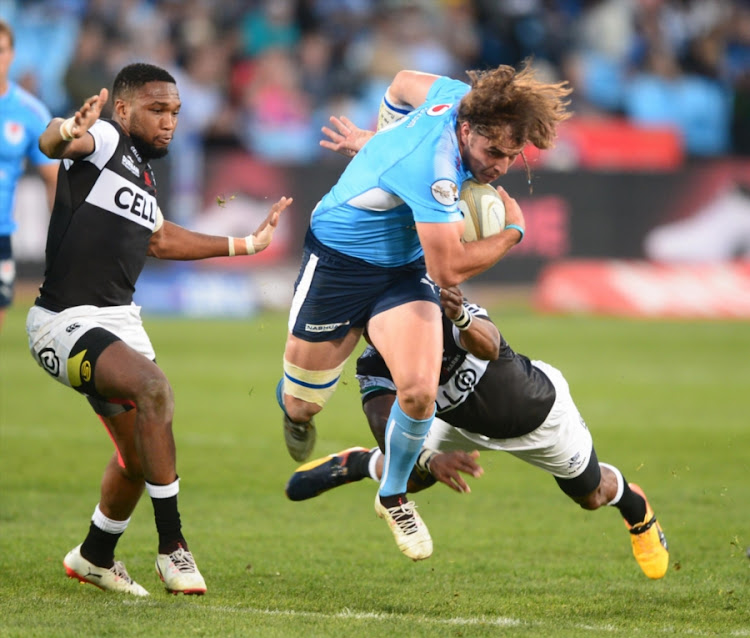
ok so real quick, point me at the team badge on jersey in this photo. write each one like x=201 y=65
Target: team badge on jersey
x=13 y=132
x=445 y=192
x=438 y=109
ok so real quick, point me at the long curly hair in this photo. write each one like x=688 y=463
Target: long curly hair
x=505 y=101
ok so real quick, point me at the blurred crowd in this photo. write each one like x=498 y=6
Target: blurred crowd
x=265 y=75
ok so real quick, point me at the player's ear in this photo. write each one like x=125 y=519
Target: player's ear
x=121 y=109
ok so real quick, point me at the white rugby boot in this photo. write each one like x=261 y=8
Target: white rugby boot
x=179 y=573
x=115 y=578
x=411 y=534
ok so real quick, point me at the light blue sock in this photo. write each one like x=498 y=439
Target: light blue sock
x=403 y=441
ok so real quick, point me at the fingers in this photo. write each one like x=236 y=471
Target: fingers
x=446 y=468
x=452 y=294
x=276 y=209
x=343 y=124
x=330 y=133
x=451 y=301
x=283 y=203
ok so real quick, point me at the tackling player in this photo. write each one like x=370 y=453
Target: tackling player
x=491 y=398
x=84 y=329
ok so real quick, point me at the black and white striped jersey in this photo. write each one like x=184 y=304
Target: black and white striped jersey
x=102 y=221
x=501 y=399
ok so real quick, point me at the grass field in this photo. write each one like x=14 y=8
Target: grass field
x=667 y=402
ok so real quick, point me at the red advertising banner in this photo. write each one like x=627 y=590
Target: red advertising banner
x=646 y=289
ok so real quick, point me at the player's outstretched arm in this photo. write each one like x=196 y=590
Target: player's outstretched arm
x=171 y=241
x=67 y=139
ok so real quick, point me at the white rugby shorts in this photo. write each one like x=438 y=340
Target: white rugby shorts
x=52 y=335
x=561 y=445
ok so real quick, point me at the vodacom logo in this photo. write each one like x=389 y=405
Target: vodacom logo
x=438 y=109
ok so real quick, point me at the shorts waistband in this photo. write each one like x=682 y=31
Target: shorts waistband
x=333 y=256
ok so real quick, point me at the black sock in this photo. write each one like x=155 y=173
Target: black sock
x=99 y=547
x=632 y=506
x=358 y=465
x=393 y=501
x=168 y=524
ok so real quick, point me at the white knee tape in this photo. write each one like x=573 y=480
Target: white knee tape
x=313 y=386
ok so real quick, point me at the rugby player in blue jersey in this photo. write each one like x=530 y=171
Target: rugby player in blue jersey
x=22 y=119
x=391 y=219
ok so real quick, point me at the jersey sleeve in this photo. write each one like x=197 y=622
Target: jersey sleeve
x=429 y=178
x=106 y=139
x=445 y=87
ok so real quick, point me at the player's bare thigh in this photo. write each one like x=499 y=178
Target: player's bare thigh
x=124 y=373
x=321 y=355
x=409 y=337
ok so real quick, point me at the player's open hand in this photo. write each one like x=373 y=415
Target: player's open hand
x=262 y=237
x=347 y=139
x=446 y=468
x=88 y=114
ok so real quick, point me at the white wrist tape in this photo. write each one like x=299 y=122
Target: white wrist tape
x=463 y=321
x=249 y=246
x=66 y=129
x=424 y=458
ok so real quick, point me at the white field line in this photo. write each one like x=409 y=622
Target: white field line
x=495 y=621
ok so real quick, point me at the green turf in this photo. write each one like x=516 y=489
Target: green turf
x=666 y=402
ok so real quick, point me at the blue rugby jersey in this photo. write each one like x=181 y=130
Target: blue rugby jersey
x=23 y=118
x=410 y=171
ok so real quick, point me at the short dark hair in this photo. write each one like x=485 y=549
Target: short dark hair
x=134 y=76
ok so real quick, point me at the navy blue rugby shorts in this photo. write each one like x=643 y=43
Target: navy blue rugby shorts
x=334 y=292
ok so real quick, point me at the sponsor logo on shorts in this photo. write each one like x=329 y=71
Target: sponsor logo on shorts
x=50 y=362
x=79 y=369
x=324 y=327
x=429 y=282
x=72 y=327
x=575 y=462
x=445 y=192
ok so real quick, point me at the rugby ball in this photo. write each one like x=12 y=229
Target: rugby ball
x=483 y=210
